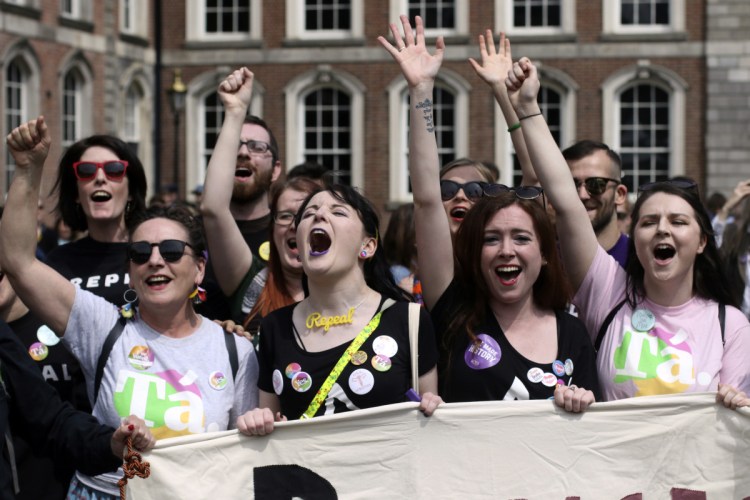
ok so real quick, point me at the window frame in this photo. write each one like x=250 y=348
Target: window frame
x=611 y=20
x=295 y=92
x=138 y=18
x=195 y=16
x=398 y=7
x=295 y=23
x=504 y=20
x=667 y=80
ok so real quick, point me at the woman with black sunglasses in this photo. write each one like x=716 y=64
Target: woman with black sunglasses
x=162 y=362
x=498 y=313
x=667 y=323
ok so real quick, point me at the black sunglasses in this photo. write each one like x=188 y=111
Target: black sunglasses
x=595 y=185
x=685 y=184
x=170 y=250
x=521 y=192
x=473 y=190
x=86 y=170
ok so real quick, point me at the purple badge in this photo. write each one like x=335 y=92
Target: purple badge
x=484 y=354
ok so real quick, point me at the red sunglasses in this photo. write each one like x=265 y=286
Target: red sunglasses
x=113 y=169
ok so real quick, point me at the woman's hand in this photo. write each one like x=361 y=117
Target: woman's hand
x=523 y=86
x=135 y=428
x=29 y=143
x=417 y=64
x=230 y=326
x=731 y=397
x=258 y=422
x=236 y=90
x=573 y=398
x=429 y=403
x=495 y=63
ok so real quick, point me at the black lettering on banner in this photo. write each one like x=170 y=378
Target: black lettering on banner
x=285 y=482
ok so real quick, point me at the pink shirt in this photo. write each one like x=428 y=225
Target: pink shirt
x=681 y=353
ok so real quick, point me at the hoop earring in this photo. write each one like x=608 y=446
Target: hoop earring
x=128 y=310
x=198 y=295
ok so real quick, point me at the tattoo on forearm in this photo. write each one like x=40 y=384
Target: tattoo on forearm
x=426 y=107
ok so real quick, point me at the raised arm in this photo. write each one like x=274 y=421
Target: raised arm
x=494 y=70
x=231 y=258
x=434 y=244
x=43 y=290
x=577 y=238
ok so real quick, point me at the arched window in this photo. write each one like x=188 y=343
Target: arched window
x=16 y=109
x=644 y=135
x=213 y=117
x=72 y=102
x=328 y=131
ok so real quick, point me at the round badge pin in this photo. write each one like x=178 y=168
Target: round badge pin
x=361 y=381
x=38 y=351
x=569 y=367
x=292 y=369
x=381 y=363
x=46 y=336
x=643 y=320
x=141 y=357
x=264 y=250
x=301 y=382
x=549 y=379
x=217 y=381
x=278 y=382
x=535 y=375
x=385 y=345
x=558 y=368
x=359 y=358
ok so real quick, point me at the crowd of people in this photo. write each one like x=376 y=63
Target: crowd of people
x=277 y=298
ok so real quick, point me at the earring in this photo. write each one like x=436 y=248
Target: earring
x=197 y=296
x=363 y=254
x=127 y=310
x=127 y=207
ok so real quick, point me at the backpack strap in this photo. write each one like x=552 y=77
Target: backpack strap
x=722 y=320
x=605 y=325
x=112 y=337
x=234 y=360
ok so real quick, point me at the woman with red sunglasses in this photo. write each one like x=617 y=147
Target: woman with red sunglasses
x=498 y=313
x=667 y=323
x=161 y=361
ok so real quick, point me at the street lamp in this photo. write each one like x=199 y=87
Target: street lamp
x=177 y=93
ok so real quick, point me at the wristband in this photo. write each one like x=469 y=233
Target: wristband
x=529 y=116
x=515 y=126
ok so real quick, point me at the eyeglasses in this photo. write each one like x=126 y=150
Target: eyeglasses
x=256 y=147
x=686 y=184
x=284 y=218
x=171 y=250
x=595 y=185
x=86 y=170
x=473 y=190
x=521 y=192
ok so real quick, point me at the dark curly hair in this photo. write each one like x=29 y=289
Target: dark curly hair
x=66 y=185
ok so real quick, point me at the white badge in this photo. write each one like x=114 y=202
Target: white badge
x=361 y=381
x=385 y=345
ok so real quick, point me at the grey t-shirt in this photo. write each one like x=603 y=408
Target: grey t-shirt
x=179 y=386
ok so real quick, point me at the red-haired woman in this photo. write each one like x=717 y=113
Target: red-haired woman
x=499 y=312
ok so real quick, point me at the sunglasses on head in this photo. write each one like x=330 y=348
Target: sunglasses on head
x=521 y=192
x=86 y=170
x=139 y=252
x=685 y=184
x=595 y=185
x=472 y=190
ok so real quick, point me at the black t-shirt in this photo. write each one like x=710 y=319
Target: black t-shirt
x=101 y=268
x=218 y=306
x=494 y=370
x=295 y=375
x=39 y=477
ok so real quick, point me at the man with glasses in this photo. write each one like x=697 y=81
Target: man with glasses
x=596 y=170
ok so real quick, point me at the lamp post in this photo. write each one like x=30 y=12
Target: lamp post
x=177 y=93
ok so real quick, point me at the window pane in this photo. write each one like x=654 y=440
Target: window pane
x=327 y=134
x=536 y=13
x=327 y=14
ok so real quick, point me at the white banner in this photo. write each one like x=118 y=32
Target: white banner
x=675 y=447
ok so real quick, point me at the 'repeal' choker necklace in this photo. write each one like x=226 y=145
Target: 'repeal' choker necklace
x=316 y=320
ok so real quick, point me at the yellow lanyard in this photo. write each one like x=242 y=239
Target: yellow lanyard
x=340 y=365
